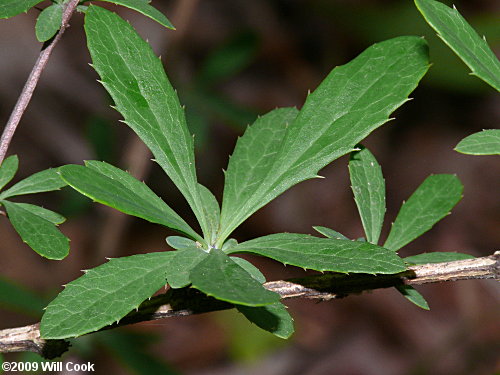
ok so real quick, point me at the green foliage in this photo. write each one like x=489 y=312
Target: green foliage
x=211 y=211
x=180 y=265
x=280 y=149
x=35 y=225
x=330 y=233
x=44 y=213
x=48 y=22
x=31 y=223
x=486 y=142
x=11 y=8
x=351 y=102
x=135 y=79
x=219 y=276
x=179 y=242
x=113 y=187
x=323 y=254
x=47 y=180
x=8 y=170
x=431 y=202
x=252 y=161
x=273 y=318
x=143 y=7
x=412 y=295
x=104 y=295
x=368 y=187
x=456 y=32
x=436 y=257
x=250 y=268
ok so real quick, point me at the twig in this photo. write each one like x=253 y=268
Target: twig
x=187 y=301
x=31 y=83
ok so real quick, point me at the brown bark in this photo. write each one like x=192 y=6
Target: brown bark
x=327 y=286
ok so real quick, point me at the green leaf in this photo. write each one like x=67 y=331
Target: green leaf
x=8 y=170
x=250 y=268
x=211 y=211
x=48 y=215
x=252 y=159
x=431 y=202
x=368 y=186
x=20 y=299
x=134 y=77
x=273 y=318
x=179 y=268
x=350 y=103
x=220 y=277
x=324 y=254
x=104 y=295
x=437 y=257
x=330 y=233
x=47 y=180
x=454 y=30
x=113 y=187
x=40 y=234
x=412 y=295
x=48 y=22
x=11 y=8
x=179 y=243
x=486 y=142
x=229 y=244
x=143 y=7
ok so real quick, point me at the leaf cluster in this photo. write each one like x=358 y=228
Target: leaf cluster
x=279 y=150
x=36 y=225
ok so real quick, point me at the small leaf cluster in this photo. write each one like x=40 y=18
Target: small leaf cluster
x=36 y=225
x=282 y=148
x=279 y=150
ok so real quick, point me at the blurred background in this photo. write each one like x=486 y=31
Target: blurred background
x=231 y=61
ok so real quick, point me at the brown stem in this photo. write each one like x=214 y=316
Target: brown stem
x=29 y=87
x=327 y=286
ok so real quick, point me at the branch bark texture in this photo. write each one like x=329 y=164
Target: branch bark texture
x=31 y=83
x=327 y=286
